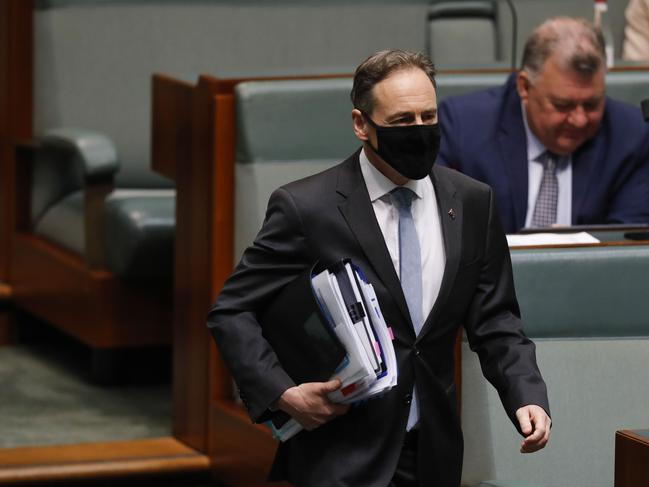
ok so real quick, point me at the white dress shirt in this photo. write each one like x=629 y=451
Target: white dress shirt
x=535 y=149
x=427 y=223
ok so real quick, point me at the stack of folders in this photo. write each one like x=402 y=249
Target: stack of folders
x=328 y=325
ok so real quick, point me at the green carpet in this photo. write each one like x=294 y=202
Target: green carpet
x=46 y=399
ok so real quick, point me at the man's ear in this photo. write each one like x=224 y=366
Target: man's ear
x=523 y=85
x=361 y=127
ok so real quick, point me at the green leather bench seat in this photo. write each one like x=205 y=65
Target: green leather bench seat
x=139 y=232
x=588 y=313
x=584 y=292
x=463 y=33
x=138 y=223
x=286 y=130
x=630 y=86
x=62 y=223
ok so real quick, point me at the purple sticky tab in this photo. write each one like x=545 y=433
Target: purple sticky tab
x=391 y=332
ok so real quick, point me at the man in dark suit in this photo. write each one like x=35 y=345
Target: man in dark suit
x=429 y=240
x=554 y=149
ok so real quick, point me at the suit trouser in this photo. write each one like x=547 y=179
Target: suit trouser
x=406 y=473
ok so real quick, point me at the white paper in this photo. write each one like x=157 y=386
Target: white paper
x=530 y=239
x=359 y=367
x=369 y=340
x=358 y=372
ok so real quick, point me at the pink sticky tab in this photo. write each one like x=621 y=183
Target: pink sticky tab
x=377 y=348
x=391 y=332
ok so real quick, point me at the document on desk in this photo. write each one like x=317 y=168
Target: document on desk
x=533 y=239
x=351 y=308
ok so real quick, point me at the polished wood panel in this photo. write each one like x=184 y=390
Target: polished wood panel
x=204 y=174
x=193 y=247
x=5 y=292
x=631 y=459
x=239 y=463
x=94 y=306
x=98 y=460
x=171 y=114
x=93 y=226
x=16 y=27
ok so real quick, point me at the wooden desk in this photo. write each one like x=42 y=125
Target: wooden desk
x=631 y=458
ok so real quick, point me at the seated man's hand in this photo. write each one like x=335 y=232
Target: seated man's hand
x=535 y=425
x=309 y=405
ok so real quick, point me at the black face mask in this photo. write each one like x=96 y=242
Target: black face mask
x=410 y=150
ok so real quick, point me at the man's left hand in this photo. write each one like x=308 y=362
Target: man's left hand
x=535 y=425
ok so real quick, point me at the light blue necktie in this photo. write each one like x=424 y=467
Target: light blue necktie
x=409 y=272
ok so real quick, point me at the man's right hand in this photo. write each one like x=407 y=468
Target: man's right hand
x=309 y=405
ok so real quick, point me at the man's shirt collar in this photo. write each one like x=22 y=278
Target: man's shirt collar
x=535 y=149
x=378 y=185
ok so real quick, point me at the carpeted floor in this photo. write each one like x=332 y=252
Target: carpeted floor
x=46 y=398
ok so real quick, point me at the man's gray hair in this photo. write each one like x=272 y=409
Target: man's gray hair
x=379 y=66
x=578 y=43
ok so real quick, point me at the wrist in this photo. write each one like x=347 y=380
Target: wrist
x=283 y=402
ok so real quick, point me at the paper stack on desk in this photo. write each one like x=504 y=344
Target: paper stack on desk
x=345 y=312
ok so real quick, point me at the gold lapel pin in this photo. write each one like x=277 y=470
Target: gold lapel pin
x=451 y=213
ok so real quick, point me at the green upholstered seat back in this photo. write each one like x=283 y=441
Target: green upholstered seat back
x=585 y=292
x=463 y=33
x=588 y=313
x=631 y=86
x=286 y=130
x=294 y=120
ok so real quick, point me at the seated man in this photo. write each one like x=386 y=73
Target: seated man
x=551 y=145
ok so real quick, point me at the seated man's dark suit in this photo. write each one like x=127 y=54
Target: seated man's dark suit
x=327 y=217
x=484 y=137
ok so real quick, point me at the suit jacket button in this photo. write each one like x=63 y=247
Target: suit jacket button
x=417 y=351
x=407 y=398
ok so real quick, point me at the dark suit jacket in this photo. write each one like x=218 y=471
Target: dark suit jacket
x=483 y=136
x=327 y=217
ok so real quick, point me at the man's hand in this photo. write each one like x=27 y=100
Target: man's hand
x=309 y=405
x=535 y=425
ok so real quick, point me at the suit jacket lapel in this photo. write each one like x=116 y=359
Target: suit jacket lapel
x=451 y=216
x=514 y=155
x=359 y=214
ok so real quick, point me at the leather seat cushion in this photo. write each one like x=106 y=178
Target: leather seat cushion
x=139 y=228
x=62 y=223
